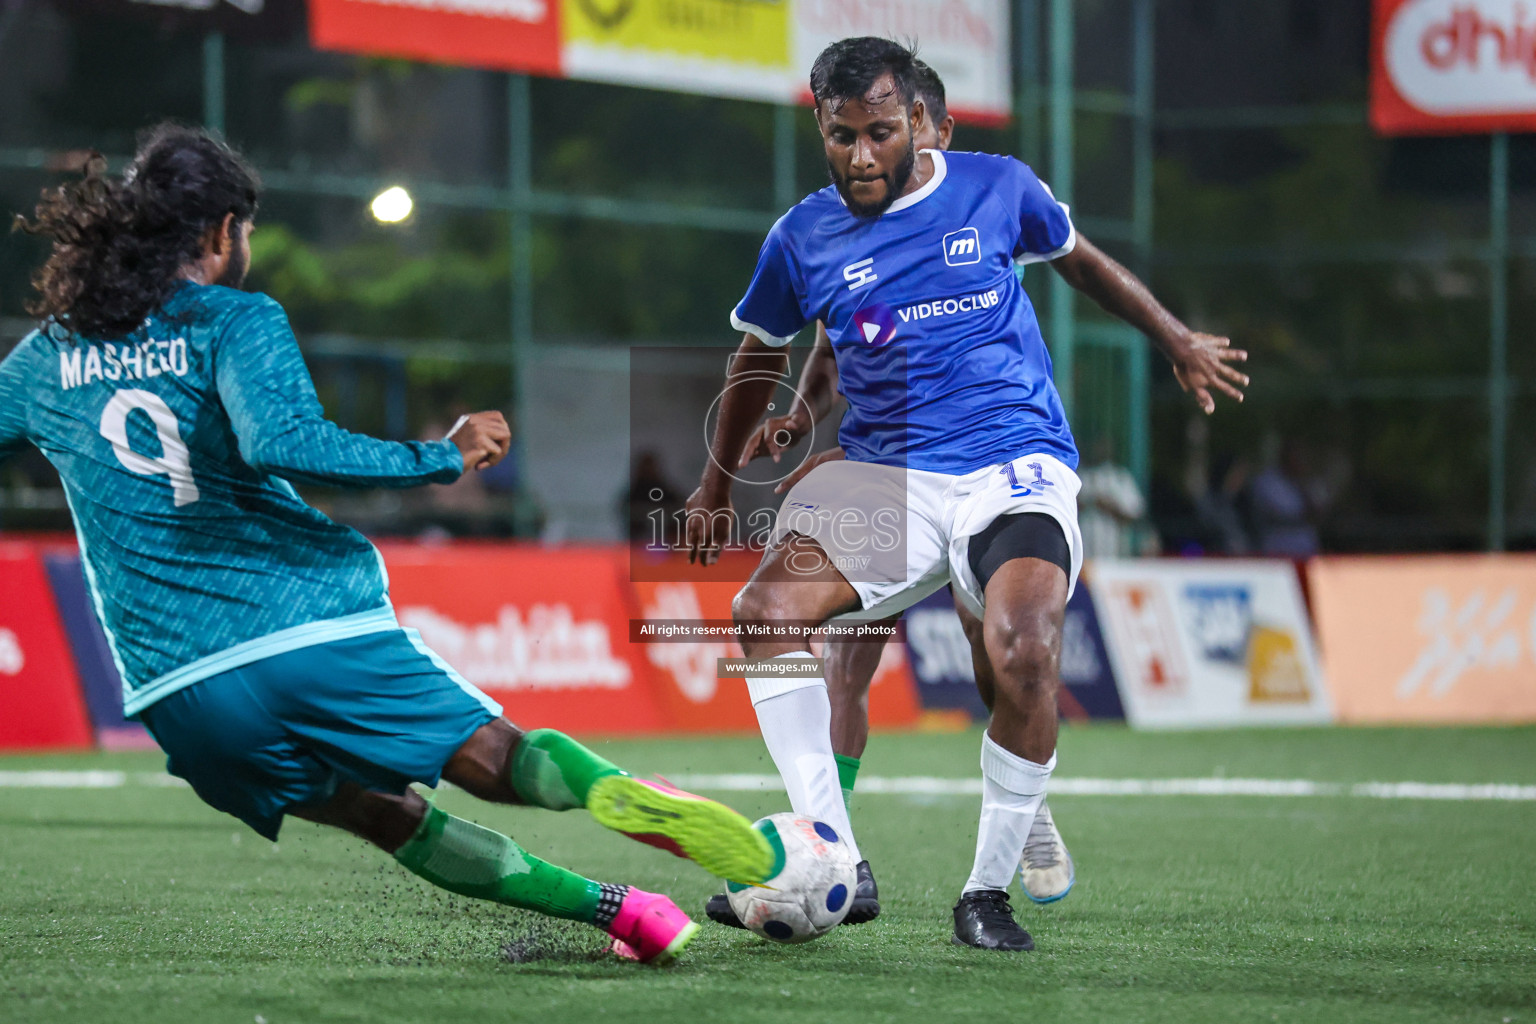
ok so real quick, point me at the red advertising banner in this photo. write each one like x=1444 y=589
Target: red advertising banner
x=502 y=35
x=688 y=687
x=1441 y=67
x=542 y=630
x=40 y=702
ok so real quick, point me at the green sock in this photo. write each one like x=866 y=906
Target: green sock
x=847 y=772
x=462 y=857
x=551 y=770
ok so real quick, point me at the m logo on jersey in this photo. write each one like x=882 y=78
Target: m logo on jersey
x=860 y=274
x=962 y=247
x=875 y=325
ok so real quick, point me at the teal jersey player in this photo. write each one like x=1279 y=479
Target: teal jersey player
x=254 y=635
x=176 y=444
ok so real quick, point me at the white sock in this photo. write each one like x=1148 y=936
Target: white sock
x=795 y=718
x=1012 y=790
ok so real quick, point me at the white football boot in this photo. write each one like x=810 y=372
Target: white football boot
x=1046 y=870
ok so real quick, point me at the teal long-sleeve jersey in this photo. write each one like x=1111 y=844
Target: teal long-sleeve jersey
x=176 y=445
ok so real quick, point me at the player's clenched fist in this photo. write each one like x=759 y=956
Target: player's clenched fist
x=708 y=516
x=482 y=438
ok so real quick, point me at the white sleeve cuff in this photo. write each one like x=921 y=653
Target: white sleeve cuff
x=1071 y=243
x=771 y=340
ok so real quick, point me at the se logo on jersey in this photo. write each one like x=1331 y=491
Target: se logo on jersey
x=962 y=247
x=860 y=274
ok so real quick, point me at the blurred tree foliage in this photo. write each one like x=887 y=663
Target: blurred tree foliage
x=456 y=287
x=1292 y=241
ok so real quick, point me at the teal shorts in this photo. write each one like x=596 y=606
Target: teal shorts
x=380 y=710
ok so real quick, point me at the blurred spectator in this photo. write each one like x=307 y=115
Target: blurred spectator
x=1218 y=508
x=1287 y=503
x=649 y=492
x=1110 y=505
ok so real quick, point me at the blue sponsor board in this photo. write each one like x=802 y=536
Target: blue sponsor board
x=941 y=656
x=1221 y=619
x=99 y=680
x=941 y=660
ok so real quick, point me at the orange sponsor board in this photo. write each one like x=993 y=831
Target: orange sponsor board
x=541 y=630
x=1445 y=638
x=689 y=689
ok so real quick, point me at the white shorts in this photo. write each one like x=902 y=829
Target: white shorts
x=898 y=535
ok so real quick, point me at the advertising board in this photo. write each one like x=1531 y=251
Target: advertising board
x=1453 y=66
x=542 y=630
x=946 y=678
x=40 y=703
x=501 y=35
x=746 y=49
x=1210 y=643
x=1442 y=638
x=688 y=686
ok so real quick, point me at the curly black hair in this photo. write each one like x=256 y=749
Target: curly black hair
x=848 y=68
x=119 y=244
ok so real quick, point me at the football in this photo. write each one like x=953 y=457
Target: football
x=809 y=893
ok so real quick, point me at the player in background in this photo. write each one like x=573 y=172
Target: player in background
x=254 y=636
x=1046 y=870
x=954 y=433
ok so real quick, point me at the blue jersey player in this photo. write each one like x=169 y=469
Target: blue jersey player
x=960 y=466
x=254 y=636
x=1046 y=869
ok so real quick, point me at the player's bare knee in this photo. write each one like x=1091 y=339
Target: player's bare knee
x=748 y=604
x=482 y=766
x=1025 y=655
x=389 y=821
x=760 y=602
x=383 y=819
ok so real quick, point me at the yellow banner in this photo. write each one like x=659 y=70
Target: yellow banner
x=752 y=32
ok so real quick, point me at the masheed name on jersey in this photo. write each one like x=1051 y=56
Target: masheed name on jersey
x=109 y=361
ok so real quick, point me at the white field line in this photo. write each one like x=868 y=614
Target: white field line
x=928 y=785
x=85 y=780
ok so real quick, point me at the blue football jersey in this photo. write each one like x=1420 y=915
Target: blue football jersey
x=176 y=445
x=938 y=349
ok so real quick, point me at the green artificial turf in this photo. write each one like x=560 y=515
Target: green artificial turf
x=139 y=904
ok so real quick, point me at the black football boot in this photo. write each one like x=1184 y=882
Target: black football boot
x=866 y=897
x=718 y=909
x=984 y=919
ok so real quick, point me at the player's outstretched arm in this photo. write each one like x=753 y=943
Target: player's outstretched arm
x=754 y=372
x=814 y=398
x=282 y=429
x=1201 y=362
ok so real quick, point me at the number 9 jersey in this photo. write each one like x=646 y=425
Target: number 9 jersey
x=177 y=444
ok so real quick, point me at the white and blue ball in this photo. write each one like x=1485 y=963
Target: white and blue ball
x=811 y=888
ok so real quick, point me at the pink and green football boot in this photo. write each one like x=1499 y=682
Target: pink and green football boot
x=710 y=834
x=650 y=928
